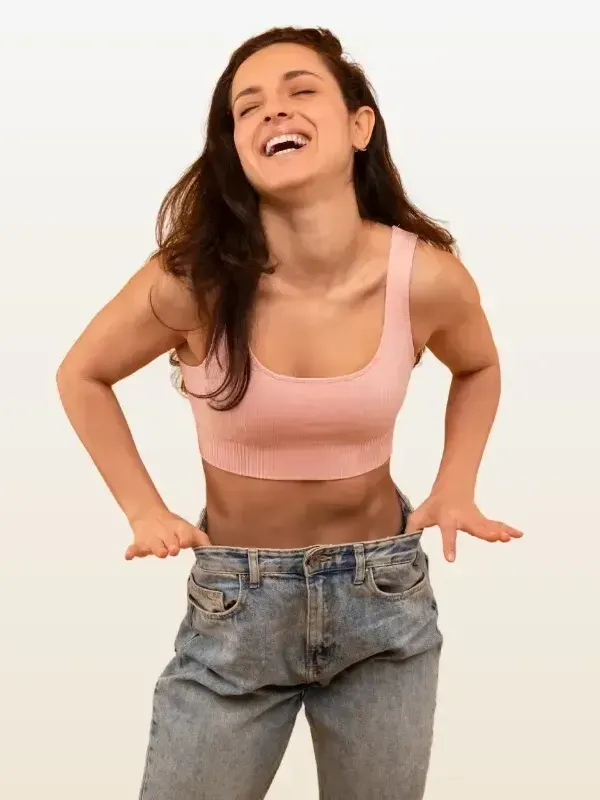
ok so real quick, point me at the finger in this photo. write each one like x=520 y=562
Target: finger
x=512 y=532
x=158 y=547
x=200 y=538
x=135 y=551
x=416 y=521
x=171 y=542
x=412 y=524
x=483 y=530
x=505 y=532
x=504 y=536
x=449 y=541
x=491 y=534
x=187 y=535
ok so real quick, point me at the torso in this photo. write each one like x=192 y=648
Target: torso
x=328 y=334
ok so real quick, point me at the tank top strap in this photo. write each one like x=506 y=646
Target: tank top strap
x=397 y=323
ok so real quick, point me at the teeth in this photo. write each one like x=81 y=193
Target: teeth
x=293 y=138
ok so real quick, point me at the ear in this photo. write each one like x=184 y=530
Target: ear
x=362 y=127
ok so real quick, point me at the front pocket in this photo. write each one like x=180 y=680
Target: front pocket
x=215 y=596
x=397 y=581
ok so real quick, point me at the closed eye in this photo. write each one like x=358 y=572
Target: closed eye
x=300 y=91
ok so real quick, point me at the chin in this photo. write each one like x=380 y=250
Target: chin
x=287 y=187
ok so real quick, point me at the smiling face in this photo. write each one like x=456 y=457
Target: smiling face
x=291 y=125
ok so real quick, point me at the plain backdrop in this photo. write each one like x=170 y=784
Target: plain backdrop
x=492 y=115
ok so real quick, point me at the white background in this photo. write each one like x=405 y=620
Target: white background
x=492 y=113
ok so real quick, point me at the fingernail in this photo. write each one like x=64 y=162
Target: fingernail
x=451 y=556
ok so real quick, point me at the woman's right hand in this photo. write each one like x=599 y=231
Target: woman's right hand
x=162 y=533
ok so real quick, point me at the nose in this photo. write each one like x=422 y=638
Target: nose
x=278 y=115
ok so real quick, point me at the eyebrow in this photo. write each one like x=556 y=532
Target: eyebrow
x=288 y=76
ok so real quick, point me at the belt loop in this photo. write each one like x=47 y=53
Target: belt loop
x=254 y=570
x=359 y=556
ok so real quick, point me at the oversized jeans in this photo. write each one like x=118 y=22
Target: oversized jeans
x=349 y=631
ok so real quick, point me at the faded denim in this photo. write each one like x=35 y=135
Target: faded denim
x=349 y=631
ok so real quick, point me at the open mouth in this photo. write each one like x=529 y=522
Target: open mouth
x=286 y=143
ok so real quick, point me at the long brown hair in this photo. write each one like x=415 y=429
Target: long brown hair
x=209 y=232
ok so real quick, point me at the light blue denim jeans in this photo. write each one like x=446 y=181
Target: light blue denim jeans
x=349 y=631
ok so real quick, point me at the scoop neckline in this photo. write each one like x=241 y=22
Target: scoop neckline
x=280 y=376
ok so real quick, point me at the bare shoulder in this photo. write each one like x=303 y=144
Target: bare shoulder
x=171 y=298
x=446 y=312
x=441 y=285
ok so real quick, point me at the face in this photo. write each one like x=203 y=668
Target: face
x=291 y=125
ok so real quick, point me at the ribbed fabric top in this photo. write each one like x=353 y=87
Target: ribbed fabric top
x=289 y=428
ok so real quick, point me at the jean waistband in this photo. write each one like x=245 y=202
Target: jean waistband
x=315 y=558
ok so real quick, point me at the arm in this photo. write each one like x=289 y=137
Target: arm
x=446 y=303
x=122 y=338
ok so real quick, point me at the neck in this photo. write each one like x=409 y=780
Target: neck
x=314 y=244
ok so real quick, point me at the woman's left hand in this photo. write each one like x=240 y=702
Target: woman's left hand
x=452 y=514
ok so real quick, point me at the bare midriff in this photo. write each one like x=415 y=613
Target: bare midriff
x=252 y=512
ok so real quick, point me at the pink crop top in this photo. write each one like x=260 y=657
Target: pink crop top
x=289 y=428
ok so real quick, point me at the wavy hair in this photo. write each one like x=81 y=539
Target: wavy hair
x=209 y=232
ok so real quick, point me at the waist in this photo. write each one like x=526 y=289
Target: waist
x=250 y=513
x=254 y=562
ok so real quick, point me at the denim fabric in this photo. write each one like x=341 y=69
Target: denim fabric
x=349 y=631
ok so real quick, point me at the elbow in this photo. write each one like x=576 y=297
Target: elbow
x=65 y=377
x=68 y=375
x=72 y=375
x=488 y=373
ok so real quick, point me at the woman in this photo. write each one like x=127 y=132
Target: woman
x=295 y=287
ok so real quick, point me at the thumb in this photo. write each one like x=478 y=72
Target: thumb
x=449 y=541
x=418 y=519
x=200 y=538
